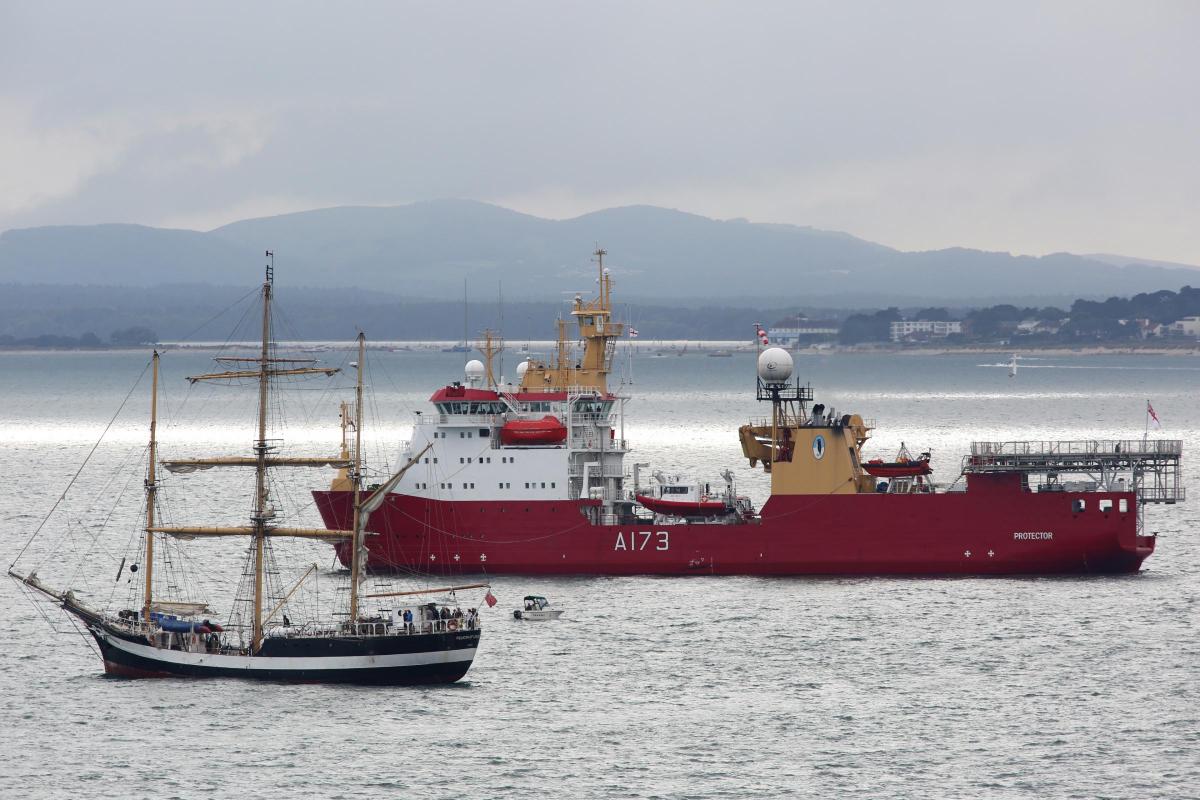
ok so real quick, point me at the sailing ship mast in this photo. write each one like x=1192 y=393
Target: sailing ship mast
x=260 y=451
x=151 y=494
x=356 y=540
x=260 y=529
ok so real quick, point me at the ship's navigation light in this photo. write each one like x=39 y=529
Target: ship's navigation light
x=775 y=366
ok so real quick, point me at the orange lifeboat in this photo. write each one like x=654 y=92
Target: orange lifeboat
x=547 y=430
x=905 y=466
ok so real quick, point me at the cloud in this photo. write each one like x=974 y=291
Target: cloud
x=39 y=164
x=42 y=162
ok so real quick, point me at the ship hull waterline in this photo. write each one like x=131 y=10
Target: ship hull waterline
x=955 y=533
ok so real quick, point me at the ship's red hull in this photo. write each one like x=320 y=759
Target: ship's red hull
x=995 y=528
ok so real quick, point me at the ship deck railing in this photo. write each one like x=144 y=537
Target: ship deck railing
x=1084 y=448
x=1152 y=464
x=1080 y=455
x=765 y=422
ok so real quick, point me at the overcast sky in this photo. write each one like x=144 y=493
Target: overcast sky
x=1030 y=128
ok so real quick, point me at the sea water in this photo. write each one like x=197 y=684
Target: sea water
x=647 y=687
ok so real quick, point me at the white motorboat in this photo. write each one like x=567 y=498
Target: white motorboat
x=537 y=609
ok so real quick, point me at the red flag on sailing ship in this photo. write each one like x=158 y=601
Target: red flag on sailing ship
x=1153 y=416
x=489 y=598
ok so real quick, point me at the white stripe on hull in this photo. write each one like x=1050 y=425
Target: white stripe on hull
x=317 y=663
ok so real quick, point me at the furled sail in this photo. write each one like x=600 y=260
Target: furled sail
x=188 y=465
x=193 y=531
x=180 y=608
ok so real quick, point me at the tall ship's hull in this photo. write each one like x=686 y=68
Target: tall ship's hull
x=396 y=661
x=992 y=530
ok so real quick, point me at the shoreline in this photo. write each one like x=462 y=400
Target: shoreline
x=1189 y=349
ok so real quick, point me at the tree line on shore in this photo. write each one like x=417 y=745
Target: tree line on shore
x=1117 y=319
x=66 y=319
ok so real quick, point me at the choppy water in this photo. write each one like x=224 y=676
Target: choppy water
x=649 y=687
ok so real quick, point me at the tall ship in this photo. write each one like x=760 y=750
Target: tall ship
x=162 y=624
x=533 y=479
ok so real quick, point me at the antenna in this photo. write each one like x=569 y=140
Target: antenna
x=270 y=267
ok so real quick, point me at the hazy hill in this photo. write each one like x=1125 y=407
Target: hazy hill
x=428 y=249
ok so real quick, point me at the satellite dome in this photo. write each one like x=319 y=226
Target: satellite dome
x=475 y=371
x=522 y=368
x=774 y=365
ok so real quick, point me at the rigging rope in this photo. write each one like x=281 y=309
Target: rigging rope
x=75 y=477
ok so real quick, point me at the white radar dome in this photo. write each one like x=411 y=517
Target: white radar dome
x=475 y=370
x=522 y=368
x=774 y=365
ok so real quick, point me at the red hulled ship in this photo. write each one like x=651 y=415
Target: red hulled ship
x=531 y=479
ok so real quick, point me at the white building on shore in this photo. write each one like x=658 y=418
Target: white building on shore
x=907 y=329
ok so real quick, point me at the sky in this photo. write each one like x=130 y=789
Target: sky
x=1028 y=127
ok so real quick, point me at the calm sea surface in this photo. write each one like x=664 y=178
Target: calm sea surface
x=649 y=687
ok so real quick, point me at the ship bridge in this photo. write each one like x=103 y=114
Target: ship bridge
x=1151 y=464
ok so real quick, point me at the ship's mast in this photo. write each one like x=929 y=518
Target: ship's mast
x=260 y=450
x=492 y=346
x=356 y=540
x=151 y=492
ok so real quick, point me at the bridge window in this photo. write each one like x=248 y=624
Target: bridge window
x=1106 y=505
x=1078 y=506
x=484 y=433
x=1123 y=506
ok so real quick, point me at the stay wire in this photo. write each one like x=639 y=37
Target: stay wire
x=75 y=477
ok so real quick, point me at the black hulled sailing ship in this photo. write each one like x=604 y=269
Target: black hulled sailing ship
x=388 y=644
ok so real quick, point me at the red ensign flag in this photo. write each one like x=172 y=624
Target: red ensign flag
x=489 y=598
x=1153 y=416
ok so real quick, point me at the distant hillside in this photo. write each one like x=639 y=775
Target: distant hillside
x=427 y=250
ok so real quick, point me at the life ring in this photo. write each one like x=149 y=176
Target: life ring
x=452 y=625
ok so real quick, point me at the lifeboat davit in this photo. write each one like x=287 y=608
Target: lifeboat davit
x=547 y=430
x=898 y=469
x=682 y=508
